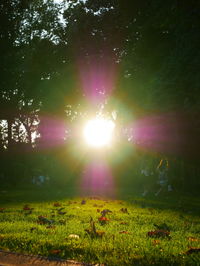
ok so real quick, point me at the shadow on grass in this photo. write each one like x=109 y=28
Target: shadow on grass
x=176 y=201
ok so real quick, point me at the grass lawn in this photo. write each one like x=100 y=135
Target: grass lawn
x=128 y=231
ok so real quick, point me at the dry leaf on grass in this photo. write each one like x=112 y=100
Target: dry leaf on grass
x=61 y=213
x=56 y=204
x=50 y=227
x=159 y=233
x=62 y=222
x=193 y=250
x=92 y=232
x=124 y=223
x=55 y=251
x=124 y=210
x=103 y=220
x=155 y=242
x=193 y=239
x=106 y=211
x=2 y=209
x=27 y=208
x=124 y=232
x=44 y=220
x=98 y=205
x=73 y=236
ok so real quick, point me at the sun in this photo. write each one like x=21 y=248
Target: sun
x=98 y=132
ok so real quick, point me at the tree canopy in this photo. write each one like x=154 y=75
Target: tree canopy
x=146 y=54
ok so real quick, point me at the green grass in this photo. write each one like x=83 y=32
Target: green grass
x=125 y=241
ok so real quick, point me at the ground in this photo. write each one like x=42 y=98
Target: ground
x=124 y=230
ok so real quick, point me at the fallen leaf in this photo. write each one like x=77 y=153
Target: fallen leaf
x=44 y=220
x=98 y=205
x=104 y=212
x=55 y=251
x=156 y=242
x=159 y=233
x=2 y=209
x=193 y=239
x=124 y=210
x=192 y=250
x=103 y=220
x=63 y=222
x=92 y=232
x=124 y=223
x=124 y=232
x=100 y=233
x=56 y=204
x=98 y=210
x=27 y=208
x=62 y=213
x=73 y=236
x=51 y=227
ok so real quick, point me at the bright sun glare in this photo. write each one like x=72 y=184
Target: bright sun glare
x=98 y=132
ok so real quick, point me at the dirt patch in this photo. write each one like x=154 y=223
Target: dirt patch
x=16 y=259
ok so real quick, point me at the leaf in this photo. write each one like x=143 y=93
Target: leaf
x=55 y=251
x=32 y=229
x=103 y=220
x=193 y=239
x=192 y=250
x=27 y=208
x=73 y=236
x=2 y=209
x=104 y=212
x=62 y=222
x=62 y=213
x=98 y=205
x=155 y=242
x=124 y=223
x=159 y=233
x=44 y=220
x=92 y=232
x=57 y=204
x=124 y=232
x=124 y=210
x=51 y=227
x=100 y=233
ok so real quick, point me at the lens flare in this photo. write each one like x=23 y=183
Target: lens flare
x=99 y=132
